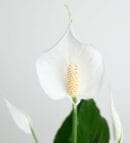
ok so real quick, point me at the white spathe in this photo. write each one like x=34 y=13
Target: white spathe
x=52 y=66
x=21 y=119
x=117 y=126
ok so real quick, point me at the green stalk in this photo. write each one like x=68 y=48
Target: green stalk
x=119 y=141
x=34 y=135
x=74 y=124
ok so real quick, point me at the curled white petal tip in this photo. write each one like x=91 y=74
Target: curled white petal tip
x=69 y=14
x=21 y=119
x=117 y=125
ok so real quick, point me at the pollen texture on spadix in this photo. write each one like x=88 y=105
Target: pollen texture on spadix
x=72 y=80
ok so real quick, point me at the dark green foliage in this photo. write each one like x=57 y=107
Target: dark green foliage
x=92 y=127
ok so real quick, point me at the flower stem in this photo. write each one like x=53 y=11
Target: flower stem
x=34 y=135
x=74 y=124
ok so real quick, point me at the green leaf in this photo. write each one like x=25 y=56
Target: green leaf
x=92 y=127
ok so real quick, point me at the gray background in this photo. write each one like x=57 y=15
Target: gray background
x=28 y=27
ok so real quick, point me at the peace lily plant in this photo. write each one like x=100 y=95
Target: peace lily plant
x=117 y=126
x=70 y=69
x=21 y=119
x=74 y=70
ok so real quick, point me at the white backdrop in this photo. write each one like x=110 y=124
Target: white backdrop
x=27 y=27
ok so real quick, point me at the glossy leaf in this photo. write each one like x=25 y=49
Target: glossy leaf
x=92 y=127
